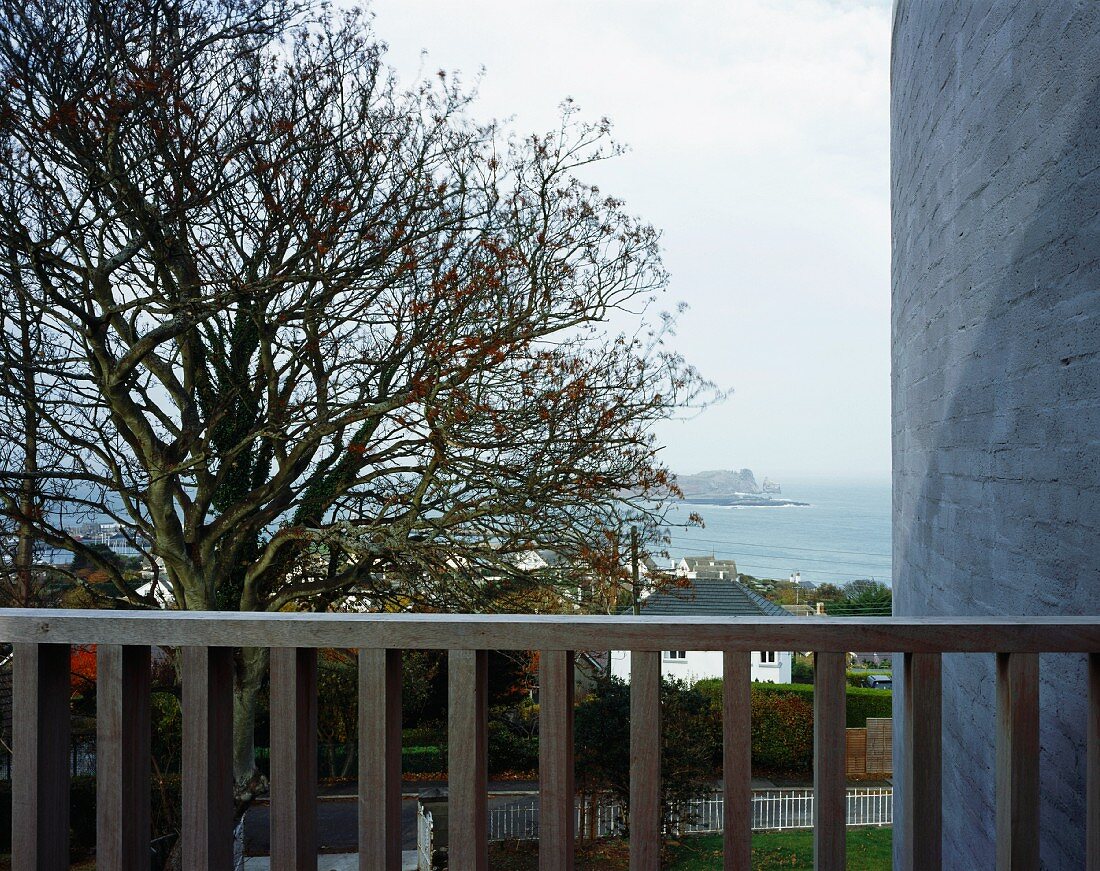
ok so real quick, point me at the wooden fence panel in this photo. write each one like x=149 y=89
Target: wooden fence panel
x=855 y=756
x=880 y=745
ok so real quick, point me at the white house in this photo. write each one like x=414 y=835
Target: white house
x=707 y=568
x=710 y=597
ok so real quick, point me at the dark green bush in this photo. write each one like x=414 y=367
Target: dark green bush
x=511 y=751
x=423 y=760
x=81 y=816
x=689 y=739
x=802 y=669
x=711 y=687
x=423 y=736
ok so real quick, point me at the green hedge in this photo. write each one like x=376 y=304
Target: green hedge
x=507 y=752
x=782 y=732
x=782 y=721
x=423 y=760
x=414 y=760
x=861 y=702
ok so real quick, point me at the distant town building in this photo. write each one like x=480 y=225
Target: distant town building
x=707 y=568
x=709 y=597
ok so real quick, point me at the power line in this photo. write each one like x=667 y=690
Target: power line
x=784 y=564
x=790 y=547
x=799 y=559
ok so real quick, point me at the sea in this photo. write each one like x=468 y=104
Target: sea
x=842 y=534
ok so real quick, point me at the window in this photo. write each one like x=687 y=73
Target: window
x=676 y=654
x=769 y=657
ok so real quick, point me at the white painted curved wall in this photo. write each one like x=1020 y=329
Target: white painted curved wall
x=996 y=367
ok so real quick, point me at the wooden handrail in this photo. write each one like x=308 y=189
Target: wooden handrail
x=208 y=640
x=550 y=632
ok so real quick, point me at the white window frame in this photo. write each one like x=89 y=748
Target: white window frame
x=773 y=662
x=676 y=656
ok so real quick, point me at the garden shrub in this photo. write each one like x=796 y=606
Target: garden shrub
x=782 y=732
x=510 y=751
x=81 y=816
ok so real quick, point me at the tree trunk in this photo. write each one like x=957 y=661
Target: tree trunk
x=28 y=497
x=250 y=673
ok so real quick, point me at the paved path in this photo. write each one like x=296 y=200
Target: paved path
x=335 y=862
x=337 y=827
x=337 y=822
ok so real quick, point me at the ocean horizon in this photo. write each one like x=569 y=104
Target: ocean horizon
x=843 y=533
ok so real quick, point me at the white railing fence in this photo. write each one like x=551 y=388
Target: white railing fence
x=425 y=838
x=771 y=809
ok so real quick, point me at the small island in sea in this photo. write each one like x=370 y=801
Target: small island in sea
x=733 y=489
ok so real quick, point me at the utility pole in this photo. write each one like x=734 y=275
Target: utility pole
x=634 y=572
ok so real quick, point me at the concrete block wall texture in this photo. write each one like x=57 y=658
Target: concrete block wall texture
x=995 y=113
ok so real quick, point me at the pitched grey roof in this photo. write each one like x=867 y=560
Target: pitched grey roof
x=697 y=562
x=709 y=567
x=709 y=597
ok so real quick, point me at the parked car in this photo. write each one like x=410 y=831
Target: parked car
x=879 y=681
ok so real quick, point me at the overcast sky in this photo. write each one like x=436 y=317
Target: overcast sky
x=759 y=134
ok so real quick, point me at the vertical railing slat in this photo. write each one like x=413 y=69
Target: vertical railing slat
x=467 y=758
x=1092 y=800
x=293 y=813
x=922 y=754
x=830 y=802
x=556 y=791
x=123 y=733
x=40 y=757
x=645 y=760
x=379 y=760
x=1017 y=761
x=207 y=758
x=737 y=761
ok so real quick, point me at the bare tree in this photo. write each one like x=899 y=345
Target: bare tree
x=26 y=353
x=313 y=335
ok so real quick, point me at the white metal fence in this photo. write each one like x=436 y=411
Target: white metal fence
x=771 y=809
x=424 y=838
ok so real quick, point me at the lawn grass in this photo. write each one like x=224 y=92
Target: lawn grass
x=868 y=850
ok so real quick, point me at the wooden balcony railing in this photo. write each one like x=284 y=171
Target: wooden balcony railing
x=41 y=726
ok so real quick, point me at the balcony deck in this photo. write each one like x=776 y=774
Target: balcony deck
x=124 y=639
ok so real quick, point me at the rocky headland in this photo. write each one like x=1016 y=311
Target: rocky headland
x=732 y=488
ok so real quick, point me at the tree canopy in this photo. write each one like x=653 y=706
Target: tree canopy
x=863 y=598
x=307 y=333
